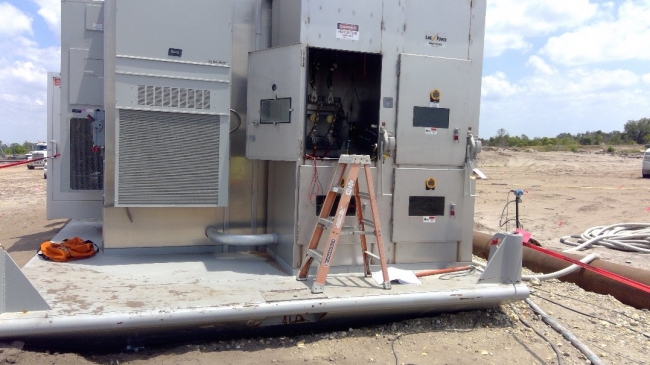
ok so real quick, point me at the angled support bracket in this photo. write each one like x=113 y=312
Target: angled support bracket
x=505 y=260
x=17 y=294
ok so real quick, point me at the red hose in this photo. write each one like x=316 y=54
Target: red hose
x=441 y=271
x=27 y=161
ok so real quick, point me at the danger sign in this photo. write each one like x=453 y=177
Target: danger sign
x=347 y=31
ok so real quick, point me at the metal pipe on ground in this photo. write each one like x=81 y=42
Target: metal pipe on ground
x=587 y=280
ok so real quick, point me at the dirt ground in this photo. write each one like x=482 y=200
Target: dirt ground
x=566 y=193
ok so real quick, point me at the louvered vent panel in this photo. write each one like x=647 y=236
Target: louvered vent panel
x=174 y=102
x=86 y=167
x=198 y=99
x=173 y=97
x=183 y=98
x=142 y=96
x=206 y=99
x=158 y=96
x=190 y=98
x=153 y=168
x=150 y=96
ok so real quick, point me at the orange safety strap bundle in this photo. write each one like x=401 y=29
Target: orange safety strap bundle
x=70 y=249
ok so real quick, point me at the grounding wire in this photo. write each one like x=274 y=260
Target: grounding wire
x=591 y=356
x=557 y=352
x=586 y=314
x=392 y=343
x=581 y=301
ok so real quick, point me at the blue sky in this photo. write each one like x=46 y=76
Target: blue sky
x=551 y=66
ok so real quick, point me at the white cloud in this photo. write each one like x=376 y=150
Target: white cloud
x=50 y=11
x=540 y=65
x=646 y=78
x=510 y=22
x=24 y=64
x=497 y=86
x=625 y=37
x=574 y=100
x=13 y=21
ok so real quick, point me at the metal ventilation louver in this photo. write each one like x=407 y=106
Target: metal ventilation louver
x=173 y=97
x=86 y=166
x=155 y=167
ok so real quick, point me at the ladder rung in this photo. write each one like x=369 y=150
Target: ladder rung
x=357 y=233
x=355 y=159
x=365 y=196
x=368 y=222
x=317 y=255
x=338 y=189
x=372 y=255
x=326 y=222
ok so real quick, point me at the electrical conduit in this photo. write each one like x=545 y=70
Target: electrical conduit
x=240 y=239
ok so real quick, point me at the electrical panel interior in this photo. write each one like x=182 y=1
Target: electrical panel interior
x=343 y=97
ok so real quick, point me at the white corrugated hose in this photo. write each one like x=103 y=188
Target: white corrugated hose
x=630 y=237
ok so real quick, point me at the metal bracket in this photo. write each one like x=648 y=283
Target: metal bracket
x=505 y=261
x=17 y=294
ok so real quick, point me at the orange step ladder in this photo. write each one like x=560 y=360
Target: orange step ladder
x=351 y=163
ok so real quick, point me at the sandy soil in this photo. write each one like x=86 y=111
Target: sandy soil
x=566 y=194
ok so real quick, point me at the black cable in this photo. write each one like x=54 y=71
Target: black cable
x=509 y=220
x=595 y=317
x=504 y=211
x=581 y=301
x=557 y=352
x=585 y=314
x=392 y=343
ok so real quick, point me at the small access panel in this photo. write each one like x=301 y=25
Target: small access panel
x=275 y=103
x=433 y=111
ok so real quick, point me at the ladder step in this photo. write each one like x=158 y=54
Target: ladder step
x=372 y=255
x=337 y=189
x=357 y=233
x=355 y=159
x=326 y=222
x=316 y=255
x=368 y=222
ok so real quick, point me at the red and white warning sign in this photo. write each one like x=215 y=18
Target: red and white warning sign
x=428 y=219
x=57 y=81
x=347 y=31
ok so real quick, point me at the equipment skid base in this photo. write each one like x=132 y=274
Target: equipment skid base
x=126 y=295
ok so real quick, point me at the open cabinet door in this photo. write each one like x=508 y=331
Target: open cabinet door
x=75 y=178
x=276 y=99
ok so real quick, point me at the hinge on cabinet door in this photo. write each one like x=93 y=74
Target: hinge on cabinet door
x=302 y=58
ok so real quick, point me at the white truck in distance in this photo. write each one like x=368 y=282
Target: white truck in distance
x=39 y=153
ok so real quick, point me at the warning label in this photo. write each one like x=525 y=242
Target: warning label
x=430 y=131
x=347 y=31
x=428 y=219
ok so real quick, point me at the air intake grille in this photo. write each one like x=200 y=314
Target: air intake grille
x=156 y=167
x=173 y=97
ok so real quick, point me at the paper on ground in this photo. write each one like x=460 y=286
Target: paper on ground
x=402 y=276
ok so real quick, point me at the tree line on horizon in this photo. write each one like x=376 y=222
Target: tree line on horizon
x=17 y=148
x=634 y=132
